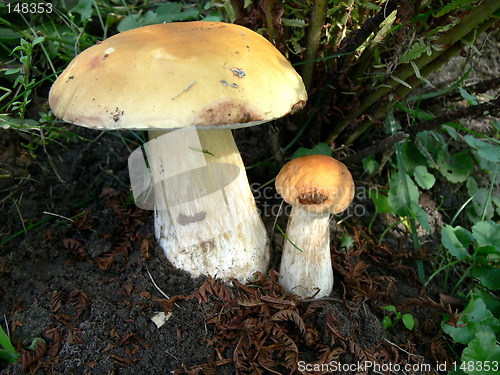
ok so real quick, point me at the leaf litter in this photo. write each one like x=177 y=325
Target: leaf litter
x=87 y=284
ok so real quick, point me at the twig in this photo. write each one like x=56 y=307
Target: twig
x=157 y=287
x=491 y=108
x=404 y=351
x=323 y=299
x=277 y=301
x=384 y=144
x=477 y=88
x=57 y=215
x=7 y=331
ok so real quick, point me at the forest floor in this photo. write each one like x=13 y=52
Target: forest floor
x=83 y=272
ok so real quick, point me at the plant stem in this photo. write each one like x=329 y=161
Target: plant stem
x=313 y=40
x=267 y=7
x=451 y=41
x=440 y=269
x=411 y=218
x=401 y=91
x=490 y=190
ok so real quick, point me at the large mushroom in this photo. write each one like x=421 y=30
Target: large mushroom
x=316 y=186
x=208 y=76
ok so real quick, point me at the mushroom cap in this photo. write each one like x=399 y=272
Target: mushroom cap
x=175 y=75
x=316 y=183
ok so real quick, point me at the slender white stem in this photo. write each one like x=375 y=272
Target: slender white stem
x=306 y=271
x=206 y=219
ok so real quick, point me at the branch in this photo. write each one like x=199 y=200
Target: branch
x=313 y=39
x=491 y=108
x=384 y=144
x=476 y=88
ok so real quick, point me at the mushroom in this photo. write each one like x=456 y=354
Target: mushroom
x=316 y=186
x=205 y=77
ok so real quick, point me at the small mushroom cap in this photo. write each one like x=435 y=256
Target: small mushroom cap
x=317 y=183
x=175 y=75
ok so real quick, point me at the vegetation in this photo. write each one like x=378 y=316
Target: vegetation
x=8 y=353
x=368 y=66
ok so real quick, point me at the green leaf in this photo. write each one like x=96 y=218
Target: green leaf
x=83 y=8
x=346 y=242
x=387 y=322
x=391 y=124
x=7 y=34
x=389 y=308
x=496 y=125
x=420 y=216
x=481 y=200
x=319 y=149
x=37 y=40
x=173 y=11
x=483 y=349
x=456 y=168
x=487 y=233
x=492 y=303
x=476 y=317
x=485 y=150
x=171 y=8
x=34 y=343
x=472 y=99
x=370 y=164
x=397 y=198
x=369 y=5
x=380 y=202
x=456 y=240
x=423 y=178
x=408 y=321
x=415 y=51
x=293 y=22
x=431 y=143
x=136 y=20
x=496 y=200
x=453 y=5
x=491 y=253
x=412 y=156
x=8 y=353
x=13 y=70
x=489 y=276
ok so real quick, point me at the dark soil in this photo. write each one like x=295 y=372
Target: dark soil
x=86 y=285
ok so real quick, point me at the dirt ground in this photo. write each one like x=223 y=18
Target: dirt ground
x=86 y=286
x=80 y=269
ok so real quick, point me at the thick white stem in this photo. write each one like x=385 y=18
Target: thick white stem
x=206 y=219
x=306 y=271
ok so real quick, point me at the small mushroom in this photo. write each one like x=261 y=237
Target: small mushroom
x=316 y=186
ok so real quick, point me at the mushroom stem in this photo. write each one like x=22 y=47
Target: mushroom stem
x=206 y=219
x=306 y=271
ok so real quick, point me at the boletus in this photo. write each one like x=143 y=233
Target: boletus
x=316 y=186
x=208 y=76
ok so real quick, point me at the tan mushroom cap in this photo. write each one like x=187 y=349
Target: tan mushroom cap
x=176 y=75
x=317 y=183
